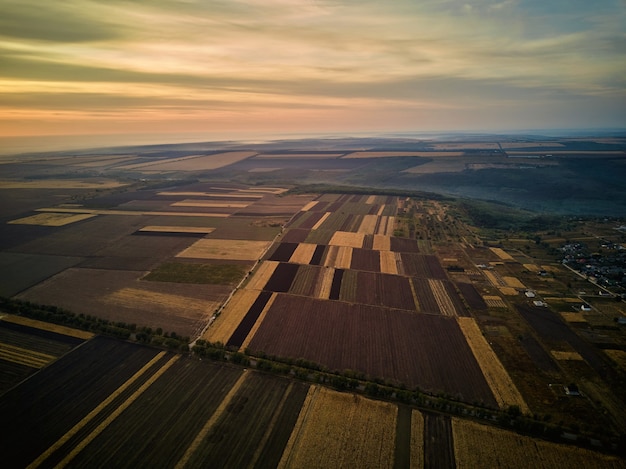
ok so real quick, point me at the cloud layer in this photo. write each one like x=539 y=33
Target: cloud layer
x=82 y=66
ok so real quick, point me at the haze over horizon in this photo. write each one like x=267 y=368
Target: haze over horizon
x=289 y=67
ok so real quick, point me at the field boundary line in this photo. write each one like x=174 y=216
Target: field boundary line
x=298 y=428
x=502 y=386
x=76 y=428
x=270 y=427
x=23 y=359
x=100 y=428
x=56 y=328
x=321 y=221
x=417 y=303
x=204 y=431
x=9 y=350
x=258 y=322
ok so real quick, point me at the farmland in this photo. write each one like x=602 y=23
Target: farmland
x=389 y=295
x=234 y=417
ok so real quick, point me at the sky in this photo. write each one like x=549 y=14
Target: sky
x=223 y=68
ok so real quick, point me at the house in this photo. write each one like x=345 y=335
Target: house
x=529 y=294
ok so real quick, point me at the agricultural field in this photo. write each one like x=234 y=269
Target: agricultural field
x=235 y=417
x=395 y=290
x=27 y=346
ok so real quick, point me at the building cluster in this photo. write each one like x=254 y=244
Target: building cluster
x=606 y=267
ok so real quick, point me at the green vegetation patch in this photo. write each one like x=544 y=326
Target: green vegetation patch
x=215 y=274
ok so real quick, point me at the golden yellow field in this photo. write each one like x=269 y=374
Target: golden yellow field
x=388 y=263
x=387 y=226
x=532 y=267
x=573 y=317
x=341 y=430
x=441 y=297
x=209 y=204
x=508 y=291
x=368 y=224
x=215 y=195
x=345 y=238
x=303 y=253
x=177 y=229
x=321 y=220
x=46 y=326
x=22 y=356
x=491 y=277
x=230 y=249
x=322 y=289
x=232 y=314
x=417 y=439
x=502 y=254
x=381 y=243
x=137 y=298
x=371 y=200
x=193 y=162
x=309 y=206
x=494 y=301
x=132 y=213
x=618 y=356
x=262 y=190
x=503 y=388
x=51 y=219
x=339 y=257
x=558 y=355
x=482 y=446
x=262 y=275
x=513 y=282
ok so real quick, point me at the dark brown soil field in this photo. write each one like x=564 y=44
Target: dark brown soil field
x=76 y=384
x=335 y=289
x=471 y=295
x=404 y=245
x=425 y=297
x=31 y=339
x=422 y=265
x=21 y=271
x=120 y=296
x=459 y=307
x=306 y=280
x=552 y=329
x=295 y=235
x=438 y=442
x=283 y=252
x=87 y=237
x=538 y=355
x=387 y=290
x=275 y=206
x=244 y=327
x=318 y=255
x=365 y=259
x=242 y=428
x=311 y=220
x=428 y=351
x=282 y=278
x=159 y=426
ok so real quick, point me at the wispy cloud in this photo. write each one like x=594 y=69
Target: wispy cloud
x=407 y=64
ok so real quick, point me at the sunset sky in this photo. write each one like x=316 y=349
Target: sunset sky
x=165 y=68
